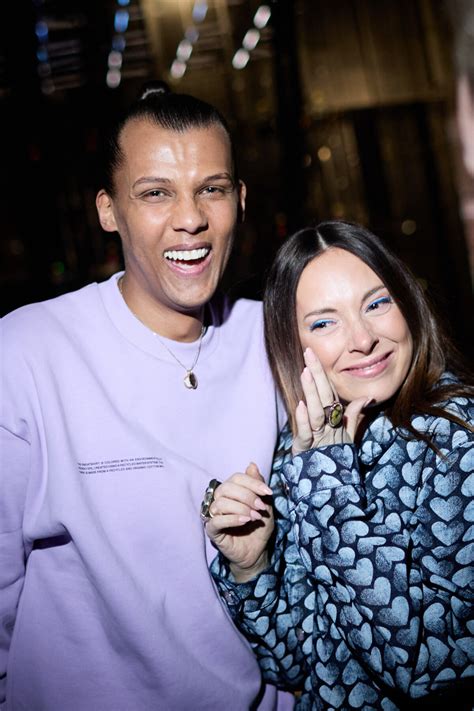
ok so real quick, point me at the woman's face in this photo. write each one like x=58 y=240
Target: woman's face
x=348 y=318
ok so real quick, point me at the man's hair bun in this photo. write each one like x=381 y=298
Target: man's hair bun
x=153 y=88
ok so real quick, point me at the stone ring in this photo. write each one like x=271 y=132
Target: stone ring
x=208 y=500
x=333 y=414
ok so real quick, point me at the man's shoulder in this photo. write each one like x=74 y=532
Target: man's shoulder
x=247 y=312
x=41 y=319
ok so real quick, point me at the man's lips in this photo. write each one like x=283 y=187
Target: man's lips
x=188 y=262
x=370 y=367
x=187 y=256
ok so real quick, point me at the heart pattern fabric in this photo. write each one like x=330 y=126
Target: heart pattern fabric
x=368 y=602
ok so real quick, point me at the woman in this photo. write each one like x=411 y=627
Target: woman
x=364 y=594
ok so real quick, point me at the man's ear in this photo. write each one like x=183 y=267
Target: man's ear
x=105 y=210
x=242 y=193
x=465 y=121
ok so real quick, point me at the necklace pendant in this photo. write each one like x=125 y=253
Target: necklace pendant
x=190 y=380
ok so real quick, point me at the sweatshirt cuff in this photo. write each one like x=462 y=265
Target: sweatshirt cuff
x=249 y=597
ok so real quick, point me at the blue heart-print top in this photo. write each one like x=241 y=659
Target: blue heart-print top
x=368 y=602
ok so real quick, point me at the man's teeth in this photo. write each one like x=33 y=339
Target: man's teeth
x=187 y=255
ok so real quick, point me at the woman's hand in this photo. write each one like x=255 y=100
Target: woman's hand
x=312 y=428
x=241 y=522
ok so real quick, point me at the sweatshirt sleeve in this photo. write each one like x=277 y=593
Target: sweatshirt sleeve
x=274 y=610
x=393 y=570
x=14 y=468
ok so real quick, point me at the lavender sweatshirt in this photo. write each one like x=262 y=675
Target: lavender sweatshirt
x=106 y=602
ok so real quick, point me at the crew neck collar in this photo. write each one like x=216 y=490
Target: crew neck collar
x=143 y=337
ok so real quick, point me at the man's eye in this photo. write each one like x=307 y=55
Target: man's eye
x=218 y=190
x=212 y=189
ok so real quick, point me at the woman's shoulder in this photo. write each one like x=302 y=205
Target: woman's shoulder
x=447 y=426
x=450 y=422
x=459 y=403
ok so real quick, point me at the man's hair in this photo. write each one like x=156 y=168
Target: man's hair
x=433 y=353
x=162 y=107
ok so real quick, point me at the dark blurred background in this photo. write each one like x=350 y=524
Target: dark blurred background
x=340 y=108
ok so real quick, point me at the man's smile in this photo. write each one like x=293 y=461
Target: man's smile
x=194 y=256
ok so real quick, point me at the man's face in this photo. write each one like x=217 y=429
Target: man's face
x=175 y=207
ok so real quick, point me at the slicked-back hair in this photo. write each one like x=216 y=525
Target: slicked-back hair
x=161 y=107
x=433 y=353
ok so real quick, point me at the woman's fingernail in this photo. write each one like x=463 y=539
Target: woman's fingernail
x=309 y=355
x=244 y=519
x=258 y=504
x=255 y=516
x=264 y=490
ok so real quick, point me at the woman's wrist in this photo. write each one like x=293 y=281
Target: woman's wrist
x=243 y=575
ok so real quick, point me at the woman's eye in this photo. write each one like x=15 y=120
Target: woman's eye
x=381 y=304
x=320 y=324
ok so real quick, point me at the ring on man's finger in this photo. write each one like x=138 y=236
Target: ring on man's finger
x=333 y=414
x=208 y=499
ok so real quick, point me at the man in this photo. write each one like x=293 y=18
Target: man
x=120 y=402
x=462 y=16
x=462 y=12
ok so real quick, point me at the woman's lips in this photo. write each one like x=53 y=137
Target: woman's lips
x=373 y=367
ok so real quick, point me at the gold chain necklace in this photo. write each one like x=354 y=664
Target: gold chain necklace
x=190 y=380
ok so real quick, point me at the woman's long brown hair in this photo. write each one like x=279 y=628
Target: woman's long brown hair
x=433 y=352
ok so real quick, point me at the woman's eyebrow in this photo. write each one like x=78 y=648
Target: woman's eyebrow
x=318 y=312
x=330 y=310
x=373 y=291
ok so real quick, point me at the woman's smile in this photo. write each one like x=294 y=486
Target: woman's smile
x=373 y=367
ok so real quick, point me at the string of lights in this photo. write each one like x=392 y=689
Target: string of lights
x=119 y=42
x=252 y=37
x=191 y=36
x=241 y=57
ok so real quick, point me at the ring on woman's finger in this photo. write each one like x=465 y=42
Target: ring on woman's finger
x=208 y=499
x=333 y=414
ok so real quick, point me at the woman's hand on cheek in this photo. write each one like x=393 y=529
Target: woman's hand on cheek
x=313 y=429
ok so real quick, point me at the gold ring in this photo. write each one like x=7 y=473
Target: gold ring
x=333 y=414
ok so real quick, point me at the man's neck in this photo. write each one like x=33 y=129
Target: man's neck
x=164 y=321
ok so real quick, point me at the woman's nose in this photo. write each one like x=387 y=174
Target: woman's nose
x=362 y=338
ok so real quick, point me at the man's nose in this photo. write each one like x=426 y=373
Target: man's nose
x=188 y=215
